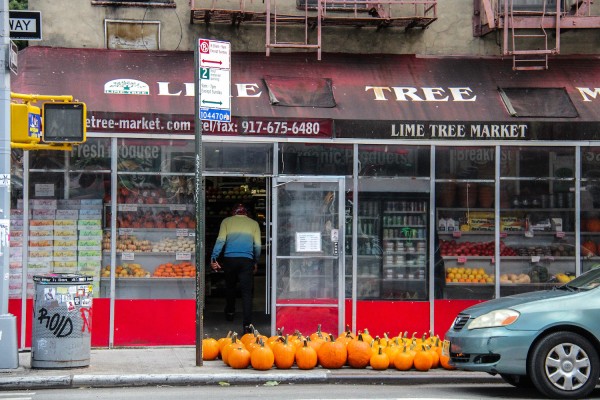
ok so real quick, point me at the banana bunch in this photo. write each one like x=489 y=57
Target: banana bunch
x=563 y=278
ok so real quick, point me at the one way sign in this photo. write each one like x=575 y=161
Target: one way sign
x=25 y=25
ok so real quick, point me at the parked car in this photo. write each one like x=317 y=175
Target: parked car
x=549 y=339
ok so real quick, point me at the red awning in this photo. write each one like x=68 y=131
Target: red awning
x=152 y=88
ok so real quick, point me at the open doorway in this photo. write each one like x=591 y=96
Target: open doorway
x=222 y=194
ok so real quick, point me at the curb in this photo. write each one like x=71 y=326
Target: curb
x=304 y=377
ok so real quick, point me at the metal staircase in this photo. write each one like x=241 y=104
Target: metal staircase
x=313 y=15
x=529 y=46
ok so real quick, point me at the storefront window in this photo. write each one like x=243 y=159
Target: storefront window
x=590 y=208
x=391 y=230
x=243 y=158
x=465 y=223
x=537 y=217
x=315 y=159
x=155 y=220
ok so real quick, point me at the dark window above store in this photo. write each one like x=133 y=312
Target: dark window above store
x=538 y=102
x=135 y=3
x=300 y=92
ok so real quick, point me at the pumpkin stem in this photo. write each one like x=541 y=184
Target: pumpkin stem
x=228 y=334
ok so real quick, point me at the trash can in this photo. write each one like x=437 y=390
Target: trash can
x=62 y=321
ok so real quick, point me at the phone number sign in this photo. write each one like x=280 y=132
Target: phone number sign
x=215 y=80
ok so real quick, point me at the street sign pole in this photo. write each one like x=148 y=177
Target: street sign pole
x=199 y=194
x=8 y=322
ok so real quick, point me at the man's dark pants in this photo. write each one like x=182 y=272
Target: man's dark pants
x=242 y=269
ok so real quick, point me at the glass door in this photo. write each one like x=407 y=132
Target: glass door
x=307 y=256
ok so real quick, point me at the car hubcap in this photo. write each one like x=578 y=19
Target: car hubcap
x=567 y=366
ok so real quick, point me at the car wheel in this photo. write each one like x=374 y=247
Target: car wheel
x=520 y=381
x=564 y=365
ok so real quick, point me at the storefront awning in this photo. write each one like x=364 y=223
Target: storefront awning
x=375 y=96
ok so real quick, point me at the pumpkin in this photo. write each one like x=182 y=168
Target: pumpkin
x=239 y=358
x=284 y=352
x=445 y=362
x=359 y=352
x=423 y=360
x=210 y=349
x=233 y=345
x=392 y=349
x=366 y=336
x=403 y=360
x=224 y=341
x=316 y=343
x=332 y=354
x=262 y=357
x=319 y=334
x=306 y=356
x=249 y=336
x=379 y=361
x=435 y=357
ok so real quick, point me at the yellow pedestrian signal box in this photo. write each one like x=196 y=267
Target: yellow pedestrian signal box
x=63 y=122
x=25 y=123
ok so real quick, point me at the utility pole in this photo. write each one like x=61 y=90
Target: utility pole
x=8 y=322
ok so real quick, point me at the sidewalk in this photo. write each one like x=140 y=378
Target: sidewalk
x=177 y=366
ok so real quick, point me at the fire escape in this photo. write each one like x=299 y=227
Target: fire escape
x=313 y=15
x=531 y=29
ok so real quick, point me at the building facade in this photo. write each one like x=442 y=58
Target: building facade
x=399 y=173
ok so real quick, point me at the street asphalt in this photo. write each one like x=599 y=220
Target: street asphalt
x=177 y=366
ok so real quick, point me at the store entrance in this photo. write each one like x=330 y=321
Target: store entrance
x=222 y=194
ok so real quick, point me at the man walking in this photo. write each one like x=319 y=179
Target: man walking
x=239 y=241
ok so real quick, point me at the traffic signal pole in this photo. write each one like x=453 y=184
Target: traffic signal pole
x=8 y=322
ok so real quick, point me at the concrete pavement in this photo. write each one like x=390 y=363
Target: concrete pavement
x=177 y=366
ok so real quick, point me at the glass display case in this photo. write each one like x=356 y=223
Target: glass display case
x=392 y=247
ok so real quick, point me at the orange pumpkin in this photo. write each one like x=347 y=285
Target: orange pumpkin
x=332 y=354
x=285 y=353
x=359 y=352
x=379 y=361
x=403 y=360
x=210 y=349
x=235 y=344
x=306 y=356
x=262 y=358
x=239 y=358
x=423 y=360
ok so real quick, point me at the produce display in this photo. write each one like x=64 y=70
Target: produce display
x=468 y=275
x=133 y=244
x=124 y=270
x=162 y=219
x=348 y=350
x=181 y=270
x=454 y=248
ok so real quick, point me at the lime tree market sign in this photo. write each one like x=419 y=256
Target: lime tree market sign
x=25 y=25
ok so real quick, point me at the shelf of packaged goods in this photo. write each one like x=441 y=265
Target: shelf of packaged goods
x=404 y=280
x=402 y=239
x=404 y=212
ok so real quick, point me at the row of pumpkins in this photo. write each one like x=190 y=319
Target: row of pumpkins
x=307 y=352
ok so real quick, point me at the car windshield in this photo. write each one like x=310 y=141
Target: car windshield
x=586 y=281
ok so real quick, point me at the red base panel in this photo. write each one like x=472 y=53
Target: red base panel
x=390 y=317
x=173 y=322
